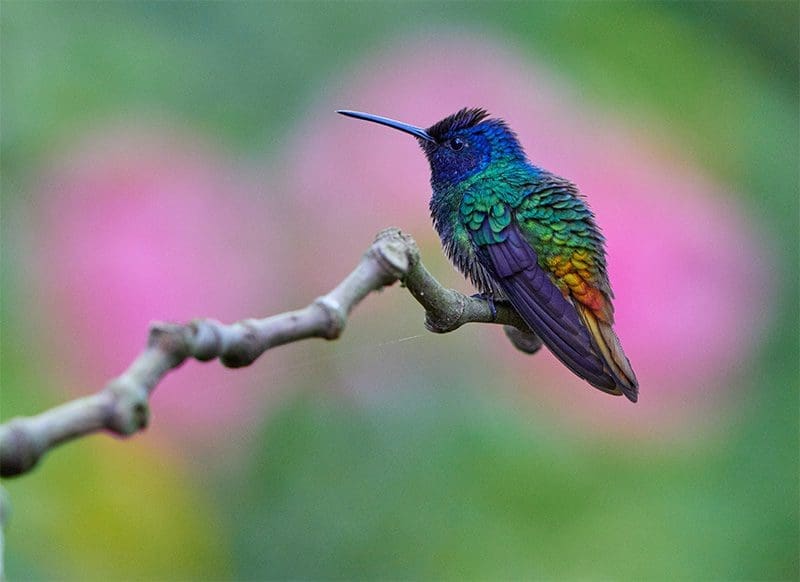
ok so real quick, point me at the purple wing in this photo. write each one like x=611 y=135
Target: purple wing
x=514 y=265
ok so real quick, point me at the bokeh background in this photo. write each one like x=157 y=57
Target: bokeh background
x=173 y=160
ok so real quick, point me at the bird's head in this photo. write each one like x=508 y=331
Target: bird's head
x=460 y=145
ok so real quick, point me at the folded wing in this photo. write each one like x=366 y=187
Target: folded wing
x=513 y=263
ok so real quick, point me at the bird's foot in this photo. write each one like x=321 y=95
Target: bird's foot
x=489 y=298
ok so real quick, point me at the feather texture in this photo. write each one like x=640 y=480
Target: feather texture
x=514 y=266
x=526 y=235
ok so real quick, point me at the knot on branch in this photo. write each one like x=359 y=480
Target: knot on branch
x=445 y=320
x=128 y=412
x=171 y=340
x=525 y=341
x=207 y=339
x=335 y=316
x=245 y=349
x=20 y=449
x=396 y=252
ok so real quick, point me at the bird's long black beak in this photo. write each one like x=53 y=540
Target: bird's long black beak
x=412 y=129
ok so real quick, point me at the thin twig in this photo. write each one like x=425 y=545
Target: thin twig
x=122 y=406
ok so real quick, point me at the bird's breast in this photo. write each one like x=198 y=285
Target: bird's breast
x=455 y=213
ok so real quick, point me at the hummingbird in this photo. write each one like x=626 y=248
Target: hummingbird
x=523 y=235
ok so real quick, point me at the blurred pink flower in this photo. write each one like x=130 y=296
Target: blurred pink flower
x=349 y=183
x=141 y=224
x=684 y=261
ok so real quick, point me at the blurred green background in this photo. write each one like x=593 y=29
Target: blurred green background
x=437 y=476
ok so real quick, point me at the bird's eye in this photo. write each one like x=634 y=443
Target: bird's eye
x=457 y=144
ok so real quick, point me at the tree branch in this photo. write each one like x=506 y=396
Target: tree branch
x=121 y=407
